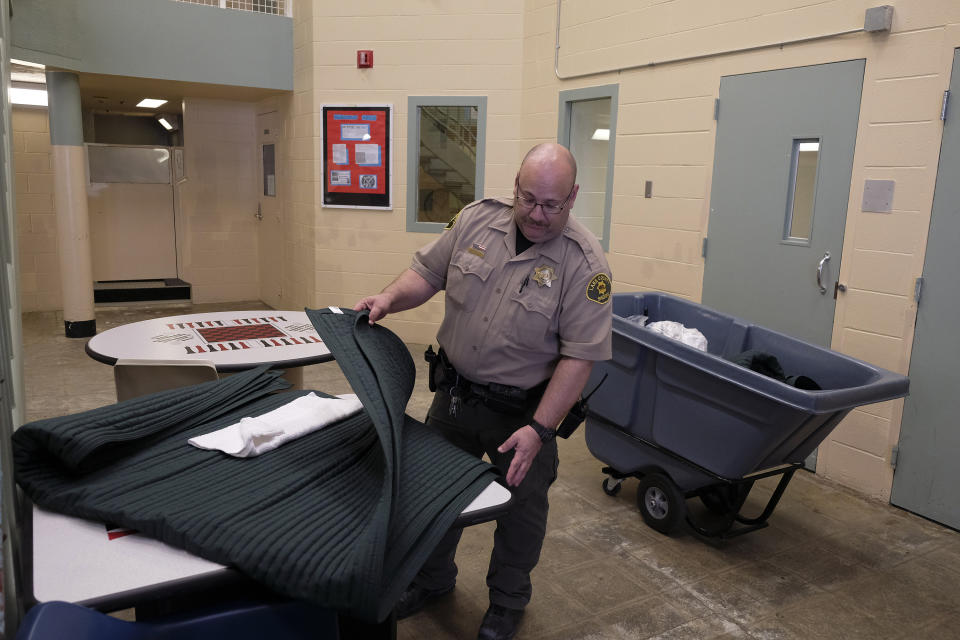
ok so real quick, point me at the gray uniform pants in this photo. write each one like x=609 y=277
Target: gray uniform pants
x=519 y=535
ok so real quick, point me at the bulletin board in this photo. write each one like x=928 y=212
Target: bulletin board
x=357 y=156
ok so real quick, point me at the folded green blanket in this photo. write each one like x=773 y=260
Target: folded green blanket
x=343 y=517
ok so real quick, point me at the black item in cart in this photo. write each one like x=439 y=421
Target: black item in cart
x=690 y=423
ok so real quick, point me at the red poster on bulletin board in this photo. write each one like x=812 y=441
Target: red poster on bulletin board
x=356 y=156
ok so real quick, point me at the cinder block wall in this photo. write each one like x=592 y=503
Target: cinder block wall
x=36 y=213
x=421 y=49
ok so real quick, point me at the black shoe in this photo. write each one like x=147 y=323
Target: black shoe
x=499 y=623
x=415 y=598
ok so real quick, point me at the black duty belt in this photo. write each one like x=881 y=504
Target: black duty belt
x=502 y=398
x=498 y=397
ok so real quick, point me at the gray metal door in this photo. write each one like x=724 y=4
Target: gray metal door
x=927 y=474
x=781 y=180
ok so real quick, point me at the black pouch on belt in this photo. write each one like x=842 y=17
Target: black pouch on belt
x=442 y=375
x=433 y=359
x=577 y=414
x=573 y=419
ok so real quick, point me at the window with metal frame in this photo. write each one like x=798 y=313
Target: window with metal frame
x=802 y=191
x=588 y=127
x=272 y=7
x=445 y=158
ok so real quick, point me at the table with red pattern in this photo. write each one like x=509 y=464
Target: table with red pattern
x=232 y=340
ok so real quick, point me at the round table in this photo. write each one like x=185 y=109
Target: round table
x=231 y=340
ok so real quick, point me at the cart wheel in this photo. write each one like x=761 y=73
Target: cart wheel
x=612 y=486
x=661 y=504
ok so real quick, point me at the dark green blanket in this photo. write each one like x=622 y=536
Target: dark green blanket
x=343 y=517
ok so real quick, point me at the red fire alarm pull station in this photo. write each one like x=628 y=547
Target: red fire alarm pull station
x=364 y=58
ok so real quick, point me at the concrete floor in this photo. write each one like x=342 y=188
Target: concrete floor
x=832 y=564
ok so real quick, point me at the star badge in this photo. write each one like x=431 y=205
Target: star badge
x=544 y=275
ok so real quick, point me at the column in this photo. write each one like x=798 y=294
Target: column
x=70 y=198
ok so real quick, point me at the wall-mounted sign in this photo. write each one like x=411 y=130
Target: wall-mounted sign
x=356 y=156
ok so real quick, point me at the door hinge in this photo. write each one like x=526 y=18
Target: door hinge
x=716 y=108
x=703 y=250
x=917 y=289
x=943 y=107
x=894 y=454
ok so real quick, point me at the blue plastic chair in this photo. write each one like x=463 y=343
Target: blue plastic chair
x=277 y=621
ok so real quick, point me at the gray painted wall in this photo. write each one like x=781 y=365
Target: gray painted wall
x=156 y=39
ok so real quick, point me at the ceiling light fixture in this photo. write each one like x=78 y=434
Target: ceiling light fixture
x=151 y=103
x=27 y=64
x=30 y=97
x=169 y=121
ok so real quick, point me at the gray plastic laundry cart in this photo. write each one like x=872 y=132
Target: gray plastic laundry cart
x=690 y=423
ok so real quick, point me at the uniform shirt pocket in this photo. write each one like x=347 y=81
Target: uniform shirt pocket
x=535 y=309
x=465 y=279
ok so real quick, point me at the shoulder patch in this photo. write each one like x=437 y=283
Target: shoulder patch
x=599 y=288
x=453 y=221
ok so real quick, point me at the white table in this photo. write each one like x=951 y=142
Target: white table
x=78 y=560
x=232 y=340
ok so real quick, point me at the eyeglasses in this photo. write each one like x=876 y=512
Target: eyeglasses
x=527 y=204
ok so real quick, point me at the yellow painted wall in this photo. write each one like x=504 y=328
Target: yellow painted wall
x=300 y=216
x=36 y=213
x=420 y=48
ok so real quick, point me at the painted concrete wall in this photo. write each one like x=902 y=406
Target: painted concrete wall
x=156 y=39
x=420 y=48
x=300 y=219
x=36 y=213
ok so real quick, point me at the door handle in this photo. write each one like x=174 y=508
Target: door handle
x=259 y=215
x=823 y=261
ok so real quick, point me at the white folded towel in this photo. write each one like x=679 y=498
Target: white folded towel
x=253 y=436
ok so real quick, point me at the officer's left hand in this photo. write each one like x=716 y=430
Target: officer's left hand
x=527 y=444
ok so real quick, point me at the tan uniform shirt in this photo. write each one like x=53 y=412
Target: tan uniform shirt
x=510 y=318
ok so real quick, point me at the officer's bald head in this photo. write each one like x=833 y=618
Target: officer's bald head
x=546 y=181
x=551 y=157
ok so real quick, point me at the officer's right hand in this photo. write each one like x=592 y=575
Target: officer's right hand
x=379 y=306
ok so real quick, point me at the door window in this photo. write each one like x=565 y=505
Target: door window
x=269 y=170
x=588 y=127
x=802 y=191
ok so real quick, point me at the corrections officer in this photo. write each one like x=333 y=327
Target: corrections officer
x=527 y=314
